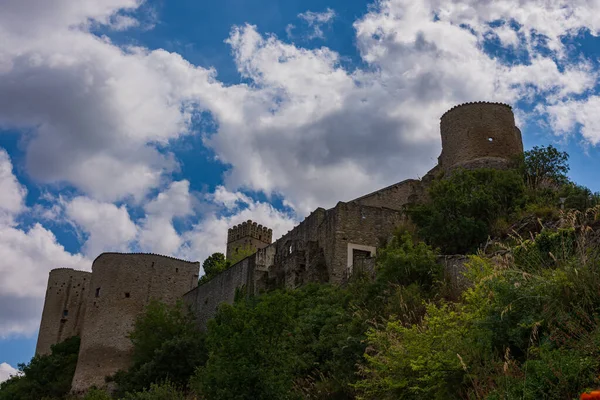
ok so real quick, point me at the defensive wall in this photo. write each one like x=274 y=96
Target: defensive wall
x=121 y=287
x=322 y=248
x=64 y=307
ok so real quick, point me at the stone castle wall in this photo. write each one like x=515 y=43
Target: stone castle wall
x=120 y=288
x=64 y=307
x=394 y=196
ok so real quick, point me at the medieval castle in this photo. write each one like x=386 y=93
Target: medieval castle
x=101 y=306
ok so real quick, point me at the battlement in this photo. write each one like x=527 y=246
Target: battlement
x=250 y=229
x=469 y=103
x=144 y=254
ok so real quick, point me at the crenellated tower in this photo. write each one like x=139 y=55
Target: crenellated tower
x=248 y=234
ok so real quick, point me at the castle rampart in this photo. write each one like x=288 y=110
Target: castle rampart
x=64 y=307
x=120 y=288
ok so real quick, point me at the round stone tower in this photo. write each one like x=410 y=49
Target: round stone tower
x=64 y=307
x=477 y=135
x=121 y=287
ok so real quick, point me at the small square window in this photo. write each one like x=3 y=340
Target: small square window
x=97 y=292
x=65 y=313
x=127 y=295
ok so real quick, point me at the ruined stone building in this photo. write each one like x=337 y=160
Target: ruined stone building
x=327 y=246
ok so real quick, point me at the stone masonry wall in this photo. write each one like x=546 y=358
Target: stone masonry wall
x=121 y=286
x=64 y=307
x=205 y=299
x=394 y=196
x=478 y=130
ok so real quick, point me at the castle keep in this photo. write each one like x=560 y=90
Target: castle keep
x=327 y=246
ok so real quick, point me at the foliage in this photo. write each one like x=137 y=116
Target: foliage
x=212 y=266
x=308 y=342
x=165 y=391
x=404 y=261
x=47 y=376
x=528 y=327
x=425 y=360
x=240 y=253
x=545 y=166
x=464 y=206
x=96 y=394
x=166 y=346
x=260 y=346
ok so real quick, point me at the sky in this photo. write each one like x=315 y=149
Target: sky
x=153 y=126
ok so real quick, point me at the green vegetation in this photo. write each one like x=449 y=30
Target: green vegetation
x=44 y=377
x=464 y=206
x=167 y=348
x=213 y=266
x=526 y=327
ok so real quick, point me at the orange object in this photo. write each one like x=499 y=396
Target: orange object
x=591 y=395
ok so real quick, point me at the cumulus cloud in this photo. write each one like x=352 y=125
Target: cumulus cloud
x=157 y=231
x=7 y=371
x=316 y=20
x=109 y=228
x=12 y=193
x=564 y=118
x=97 y=111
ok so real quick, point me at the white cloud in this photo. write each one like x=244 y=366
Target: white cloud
x=123 y=22
x=566 y=117
x=97 y=110
x=12 y=193
x=109 y=227
x=157 y=233
x=7 y=371
x=316 y=20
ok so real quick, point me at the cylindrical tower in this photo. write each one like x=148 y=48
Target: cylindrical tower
x=121 y=287
x=64 y=307
x=478 y=135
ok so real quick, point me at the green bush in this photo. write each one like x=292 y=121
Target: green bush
x=164 y=391
x=47 y=376
x=96 y=394
x=166 y=346
x=464 y=206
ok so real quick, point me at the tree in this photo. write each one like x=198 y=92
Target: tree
x=166 y=346
x=47 y=376
x=545 y=164
x=212 y=266
x=463 y=206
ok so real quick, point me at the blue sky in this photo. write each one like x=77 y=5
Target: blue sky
x=153 y=126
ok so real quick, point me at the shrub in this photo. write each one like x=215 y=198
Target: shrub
x=463 y=207
x=166 y=346
x=47 y=376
